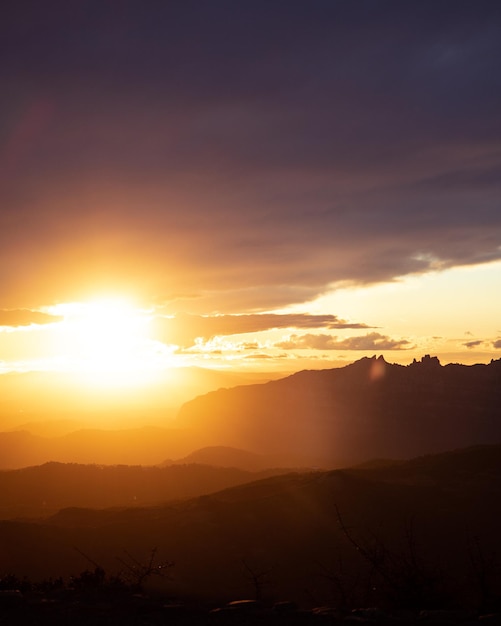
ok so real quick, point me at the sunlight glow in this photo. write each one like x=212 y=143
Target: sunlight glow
x=106 y=343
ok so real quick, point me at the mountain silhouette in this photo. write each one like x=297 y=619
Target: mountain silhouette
x=348 y=415
x=148 y=445
x=43 y=490
x=33 y=401
x=319 y=418
x=224 y=456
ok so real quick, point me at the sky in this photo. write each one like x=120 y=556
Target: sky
x=267 y=185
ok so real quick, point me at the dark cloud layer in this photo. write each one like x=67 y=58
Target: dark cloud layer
x=184 y=329
x=473 y=344
x=248 y=153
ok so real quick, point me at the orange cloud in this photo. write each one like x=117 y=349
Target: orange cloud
x=25 y=317
x=371 y=341
x=184 y=329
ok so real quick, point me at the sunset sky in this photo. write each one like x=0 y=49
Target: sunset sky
x=256 y=185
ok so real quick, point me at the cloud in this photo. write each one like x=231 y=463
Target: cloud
x=261 y=356
x=473 y=344
x=249 y=345
x=497 y=344
x=254 y=156
x=25 y=317
x=371 y=341
x=184 y=329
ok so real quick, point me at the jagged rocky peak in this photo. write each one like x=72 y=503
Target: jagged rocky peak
x=368 y=362
x=427 y=361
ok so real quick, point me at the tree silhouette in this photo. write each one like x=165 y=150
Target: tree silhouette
x=258 y=578
x=137 y=573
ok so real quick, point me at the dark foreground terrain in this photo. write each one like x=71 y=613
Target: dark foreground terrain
x=81 y=609
x=406 y=537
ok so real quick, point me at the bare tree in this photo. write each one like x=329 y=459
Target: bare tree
x=258 y=578
x=137 y=573
x=405 y=579
x=486 y=570
x=345 y=583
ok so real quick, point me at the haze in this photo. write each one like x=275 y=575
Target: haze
x=250 y=332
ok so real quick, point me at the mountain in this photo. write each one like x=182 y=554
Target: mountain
x=43 y=490
x=224 y=456
x=418 y=534
x=134 y=446
x=53 y=397
x=322 y=418
x=341 y=416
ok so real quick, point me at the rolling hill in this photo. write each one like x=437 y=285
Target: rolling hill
x=132 y=446
x=43 y=490
x=224 y=456
x=419 y=534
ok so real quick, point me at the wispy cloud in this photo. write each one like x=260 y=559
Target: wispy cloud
x=184 y=329
x=371 y=341
x=473 y=344
x=25 y=317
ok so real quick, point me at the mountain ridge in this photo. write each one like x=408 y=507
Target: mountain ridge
x=348 y=415
x=40 y=491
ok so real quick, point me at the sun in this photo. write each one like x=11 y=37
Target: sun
x=106 y=342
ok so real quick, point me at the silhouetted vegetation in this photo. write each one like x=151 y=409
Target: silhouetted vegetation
x=259 y=578
x=399 y=579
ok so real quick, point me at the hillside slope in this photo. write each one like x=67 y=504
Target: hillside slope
x=43 y=490
x=348 y=415
x=423 y=534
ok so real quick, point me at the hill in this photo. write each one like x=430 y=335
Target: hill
x=224 y=456
x=132 y=446
x=43 y=490
x=420 y=534
x=342 y=416
x=50 y=398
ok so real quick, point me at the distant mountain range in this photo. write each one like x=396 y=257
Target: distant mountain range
x=341 y=416
x=135 y=446
x=53 y=398
x=320 y=418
